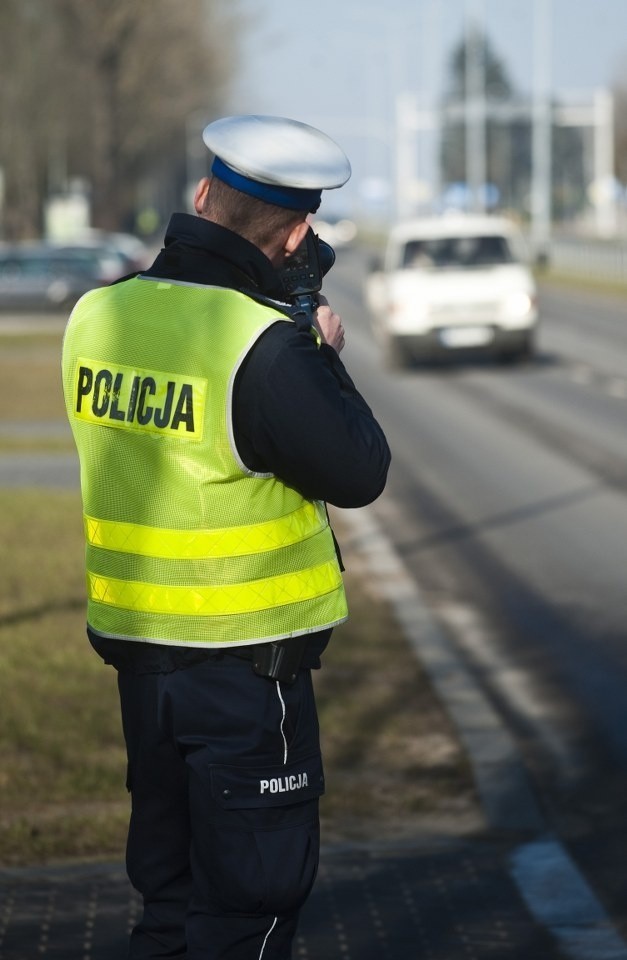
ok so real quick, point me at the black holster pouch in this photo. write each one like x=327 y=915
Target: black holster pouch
x=279 y=659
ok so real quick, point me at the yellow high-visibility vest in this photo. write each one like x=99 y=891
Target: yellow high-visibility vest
x=184 y=544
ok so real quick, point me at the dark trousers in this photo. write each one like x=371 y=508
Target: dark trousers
x=225 y=773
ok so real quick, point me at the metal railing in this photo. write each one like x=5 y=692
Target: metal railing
x=598 y=259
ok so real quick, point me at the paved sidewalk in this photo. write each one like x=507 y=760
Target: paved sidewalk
x=434 y=899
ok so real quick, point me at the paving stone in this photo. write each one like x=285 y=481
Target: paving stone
x=437 y=899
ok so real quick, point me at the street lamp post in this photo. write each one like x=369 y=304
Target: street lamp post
x=542 y=123
x=475 y=104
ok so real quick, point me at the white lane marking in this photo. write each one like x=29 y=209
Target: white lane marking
x=613 y=386
x=559 y=897
x=617 y=387
x=515 y=683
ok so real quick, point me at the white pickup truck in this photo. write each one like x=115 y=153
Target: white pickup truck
x=453 y=284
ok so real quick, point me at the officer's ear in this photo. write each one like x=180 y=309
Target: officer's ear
x=201 y=196
x=295 y=238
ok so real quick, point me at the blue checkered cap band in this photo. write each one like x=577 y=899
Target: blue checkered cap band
x=283 y=161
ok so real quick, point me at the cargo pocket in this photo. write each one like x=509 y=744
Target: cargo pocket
x=260 y=787
x=256 y=834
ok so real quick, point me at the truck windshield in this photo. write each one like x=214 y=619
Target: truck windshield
x=456 y=252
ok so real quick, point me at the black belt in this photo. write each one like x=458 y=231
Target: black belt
x=276 y=659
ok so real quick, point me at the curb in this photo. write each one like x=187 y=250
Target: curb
x=556 y=893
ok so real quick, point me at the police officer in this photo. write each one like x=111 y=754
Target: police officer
x=212 y=425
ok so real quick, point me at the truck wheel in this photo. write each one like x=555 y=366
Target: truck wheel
x=397 y=356
x=523 y=351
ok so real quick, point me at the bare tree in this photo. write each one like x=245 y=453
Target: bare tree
x=102 y=91
x=24 y=52
x=498 y=88
x=508 y=143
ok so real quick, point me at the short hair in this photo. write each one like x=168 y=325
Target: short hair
x=253 y=219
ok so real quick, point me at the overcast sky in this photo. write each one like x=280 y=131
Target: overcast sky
x=340 y=63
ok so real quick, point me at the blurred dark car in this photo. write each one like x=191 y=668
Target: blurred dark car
x=44 y=277
x=133 y=252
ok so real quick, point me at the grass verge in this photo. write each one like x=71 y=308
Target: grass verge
x=61 y=783
x=583 y=284
x=30 y=379
x=390 y=754
x=394 y=764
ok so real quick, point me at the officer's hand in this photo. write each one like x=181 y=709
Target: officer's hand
x=329 y=325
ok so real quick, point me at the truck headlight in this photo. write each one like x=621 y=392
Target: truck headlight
x=407 y=317
x=519 y=304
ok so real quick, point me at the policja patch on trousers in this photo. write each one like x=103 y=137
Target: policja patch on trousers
x=241 y=788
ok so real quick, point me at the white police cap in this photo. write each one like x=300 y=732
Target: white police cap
x=281 y=161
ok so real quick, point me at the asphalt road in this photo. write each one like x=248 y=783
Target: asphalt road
x=507 y=501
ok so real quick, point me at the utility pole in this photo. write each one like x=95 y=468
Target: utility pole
x=406 y=156
x=604 y=185
x=541 y=206
x=429 y=172
x=476 y=174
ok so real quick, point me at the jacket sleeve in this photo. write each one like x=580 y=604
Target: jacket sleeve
x=298 y=414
